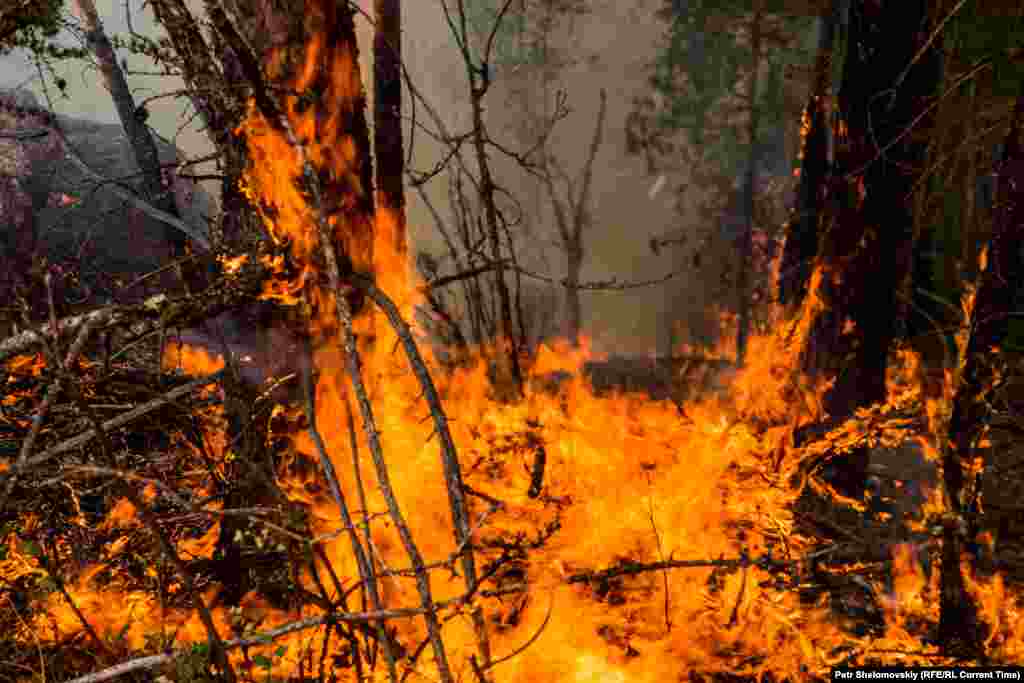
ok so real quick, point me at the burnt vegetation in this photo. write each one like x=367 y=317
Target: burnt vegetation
x=303 y=447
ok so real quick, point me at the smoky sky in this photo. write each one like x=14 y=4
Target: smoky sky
x=611 y=46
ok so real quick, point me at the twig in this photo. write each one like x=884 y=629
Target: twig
x=366 y=571
x=113 y=423
x=214 y=639
x=449 y=455
x=37 y=422
x=634 y=568
x=254 y=513
x=153 y=661
x=531 y=640
x=138 y=202
x=49 y=567
x=612 y=284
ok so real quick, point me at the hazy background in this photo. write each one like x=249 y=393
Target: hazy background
x=611 y=46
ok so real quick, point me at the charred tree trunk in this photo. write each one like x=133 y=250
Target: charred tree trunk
x=387 y=115
x=867 y=249
x=749 y=182
x=802 y=233
x=959 y=629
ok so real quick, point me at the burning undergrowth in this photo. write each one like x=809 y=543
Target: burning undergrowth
x=612 y=537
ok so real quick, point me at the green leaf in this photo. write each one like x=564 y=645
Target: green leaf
x=262 y=661
x=280 y=652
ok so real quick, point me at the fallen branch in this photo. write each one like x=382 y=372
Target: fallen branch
x=111 y=424
x=265 y=638
x=633 y=568
x=140 y=320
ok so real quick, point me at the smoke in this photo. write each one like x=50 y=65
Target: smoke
x=610 y=46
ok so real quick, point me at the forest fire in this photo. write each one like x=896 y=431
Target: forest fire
x=615 y=538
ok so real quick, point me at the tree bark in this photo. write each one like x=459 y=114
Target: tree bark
x=387 y=115
x=866 y=251
x=802 y=232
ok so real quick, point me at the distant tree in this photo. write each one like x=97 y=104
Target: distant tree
x=721 y=81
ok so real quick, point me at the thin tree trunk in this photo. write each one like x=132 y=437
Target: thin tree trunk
x=509 y=360
x=750 y=179
x=220 y=107
x=573 y=307
x=387 y=113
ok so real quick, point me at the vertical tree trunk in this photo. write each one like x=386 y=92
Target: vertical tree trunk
x=573 y=307
x=749 y=182
x=508 y=361
x=867 y=250
x=802 y=232
x=387 y=115
x=959 y=630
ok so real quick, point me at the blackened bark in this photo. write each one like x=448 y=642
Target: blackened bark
x=802 y=232
x=387 y=114
x=959 y=630
x=866 y=251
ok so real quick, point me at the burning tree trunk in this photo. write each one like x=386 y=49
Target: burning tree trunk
x=318 y=139
x=989 y=324
x=866 y=250
x=802 y=231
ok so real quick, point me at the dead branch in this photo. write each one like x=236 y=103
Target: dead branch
x=154 y=661
x=114 y=423
x=44 y=408
x=141 y=320
x=216 y=644
x=635 y=568
x=601 y=285
x=366 y=570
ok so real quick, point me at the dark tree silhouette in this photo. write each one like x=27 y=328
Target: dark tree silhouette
x=867 y=243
